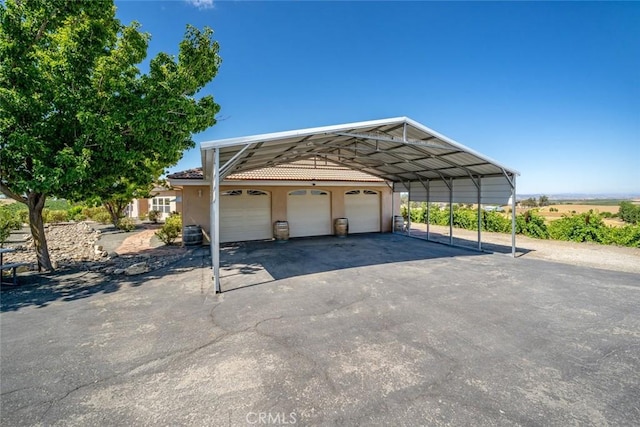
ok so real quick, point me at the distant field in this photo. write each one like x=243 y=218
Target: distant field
x=594 y=202
x=566 y=208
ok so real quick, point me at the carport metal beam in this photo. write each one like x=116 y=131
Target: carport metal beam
x=215 y=219
x=372 y=137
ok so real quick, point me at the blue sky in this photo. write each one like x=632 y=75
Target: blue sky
x=551 y=89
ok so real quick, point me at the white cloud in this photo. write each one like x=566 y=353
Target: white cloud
x=201 y=4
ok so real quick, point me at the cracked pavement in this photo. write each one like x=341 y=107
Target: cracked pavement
x=368 y=330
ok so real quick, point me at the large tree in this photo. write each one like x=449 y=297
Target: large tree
x=77 y=117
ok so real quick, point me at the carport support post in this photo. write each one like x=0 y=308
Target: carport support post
x=408 y=206
x=513 y=216
x=479 y=215
x=451 y=211
x=428 y=207
x=393 y=213
x=215 y=219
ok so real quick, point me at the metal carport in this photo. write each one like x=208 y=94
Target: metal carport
x=410 y=156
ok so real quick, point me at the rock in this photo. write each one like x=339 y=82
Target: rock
x=138 y=268
x=113 y=255
x=118 y=271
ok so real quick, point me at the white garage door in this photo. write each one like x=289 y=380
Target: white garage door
x=362 y=208
x=309 y=213
x=245 y=215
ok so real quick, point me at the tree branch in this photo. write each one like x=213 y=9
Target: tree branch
x=7 y=192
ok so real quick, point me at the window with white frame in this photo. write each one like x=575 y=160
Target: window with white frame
x=161 y=204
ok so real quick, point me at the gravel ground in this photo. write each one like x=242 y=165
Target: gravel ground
x=607 y=257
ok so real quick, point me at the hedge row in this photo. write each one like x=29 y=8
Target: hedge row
x=586 y=227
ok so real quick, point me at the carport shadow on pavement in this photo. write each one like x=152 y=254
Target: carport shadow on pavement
x=462 y=242
x=254 y=263
x=76 y=282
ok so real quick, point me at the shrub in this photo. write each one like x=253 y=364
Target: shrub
x=628 y=212
x=103 y=217
x=495 y=221
x=54 y=215
x=153 y=216
x=170 y=229
x=142 y=216
x=57 y=204
x=9 y=220
x=531 y=224
x=629 y=235
x=98 y=214
x=24 y=216
x=438 y=216
x=126 y=224
x=465 y=218
x=75 y=213
x=586 y=227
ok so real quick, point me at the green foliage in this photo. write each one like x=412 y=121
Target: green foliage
x=57 y=204
x=553 y=209
x=531 y=202
x=629 y=235
x=9 y=220
x=153 y=216
x=531 y=224
x=629 y=213
x=586 y=227
x=75 y=213
x=496 y=222
x=543 y=200
x=465 y=218
x=78 y=118
x=14 y=207
x=24 y=216
x=103 y=217
x=98 y=214
x=170 y=230
x=90 y=212
x=127 y=224
x=437 y=215
x=54 y=216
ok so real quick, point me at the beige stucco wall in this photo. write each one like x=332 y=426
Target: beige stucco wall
x=195 y=202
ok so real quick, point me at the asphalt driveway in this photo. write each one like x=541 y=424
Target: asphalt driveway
x=368 y=330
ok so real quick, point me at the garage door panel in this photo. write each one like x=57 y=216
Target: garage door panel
x=309 y=213
x=245 y=215
x=362 y=208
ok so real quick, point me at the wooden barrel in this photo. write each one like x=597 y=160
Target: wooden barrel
x=398 y=224
x=341 y=227
x=192 y=235
x=281 y=231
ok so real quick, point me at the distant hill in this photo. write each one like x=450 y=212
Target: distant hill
x=583 y=196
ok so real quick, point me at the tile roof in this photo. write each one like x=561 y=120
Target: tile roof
x=301 y=170
x=195 y=173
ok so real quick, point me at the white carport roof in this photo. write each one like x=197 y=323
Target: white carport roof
x=430 y=166
x=399 y=150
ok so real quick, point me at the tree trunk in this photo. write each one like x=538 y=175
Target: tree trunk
x=115 y=209
x=35 y=202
